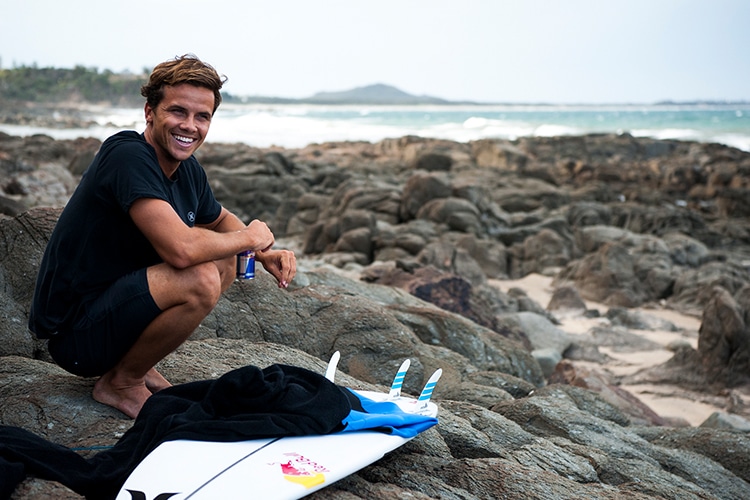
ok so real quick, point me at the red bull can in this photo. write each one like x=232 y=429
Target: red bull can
x=246 y=265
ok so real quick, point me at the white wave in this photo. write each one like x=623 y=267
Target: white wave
x=476 y=122
x=553 y=130
x=121 y=117
x=97 y=132
x=738 y=141
x=264 y=129
x=668 y=133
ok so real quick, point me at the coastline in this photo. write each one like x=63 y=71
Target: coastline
x=298 y=125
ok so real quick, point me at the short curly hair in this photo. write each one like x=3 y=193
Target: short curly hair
x=183 y=69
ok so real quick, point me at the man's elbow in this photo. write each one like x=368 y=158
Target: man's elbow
x=179 y=258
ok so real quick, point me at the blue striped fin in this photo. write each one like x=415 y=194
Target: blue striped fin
x=398 y=380
x=430 y=386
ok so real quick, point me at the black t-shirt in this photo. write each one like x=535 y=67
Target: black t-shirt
x=95 y=242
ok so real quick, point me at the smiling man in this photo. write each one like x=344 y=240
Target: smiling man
x=143 y=251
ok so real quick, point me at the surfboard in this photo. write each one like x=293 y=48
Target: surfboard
x=278 y=468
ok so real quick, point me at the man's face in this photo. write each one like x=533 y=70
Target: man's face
x=179 y=123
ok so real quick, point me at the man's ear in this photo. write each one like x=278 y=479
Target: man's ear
x=148 y=113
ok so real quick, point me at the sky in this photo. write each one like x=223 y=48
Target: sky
x=500 y=51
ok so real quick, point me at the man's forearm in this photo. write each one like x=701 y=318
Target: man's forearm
x=227 y=222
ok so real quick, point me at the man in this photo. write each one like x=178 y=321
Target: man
x=143 y=251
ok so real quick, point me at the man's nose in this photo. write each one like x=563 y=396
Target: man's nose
x=189 y=123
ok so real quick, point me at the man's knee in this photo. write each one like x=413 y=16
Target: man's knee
x=227 y=271
x=205 y=284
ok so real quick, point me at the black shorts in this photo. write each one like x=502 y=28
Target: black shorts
x=107 y=327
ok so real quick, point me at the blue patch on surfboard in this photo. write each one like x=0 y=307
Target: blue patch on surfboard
x=286 y=467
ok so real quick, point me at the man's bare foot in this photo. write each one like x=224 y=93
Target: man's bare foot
x=128 y=398
x=155 y=381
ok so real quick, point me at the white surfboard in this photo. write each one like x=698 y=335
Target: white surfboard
x=280 y=468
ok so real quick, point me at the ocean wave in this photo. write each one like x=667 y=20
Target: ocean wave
x=553 y=130
x=668 y=133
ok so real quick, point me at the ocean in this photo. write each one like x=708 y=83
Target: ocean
x=296 y=125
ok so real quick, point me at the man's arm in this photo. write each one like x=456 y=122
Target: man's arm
x=182 y=246
x=225 y=223
x=282 y=264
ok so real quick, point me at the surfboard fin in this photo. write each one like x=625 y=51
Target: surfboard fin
x=398 y=380
x=426 y=394
x=332 y=364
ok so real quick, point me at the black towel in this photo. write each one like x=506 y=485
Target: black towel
x=247 y=403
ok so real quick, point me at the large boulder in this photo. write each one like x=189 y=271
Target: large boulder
x=724 y=342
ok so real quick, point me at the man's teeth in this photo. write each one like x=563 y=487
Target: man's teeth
x=183 y=139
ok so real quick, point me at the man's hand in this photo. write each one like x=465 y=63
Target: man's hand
x=262 y=237
x=282 y=264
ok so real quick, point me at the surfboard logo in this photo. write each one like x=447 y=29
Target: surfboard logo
x=139 y=495
x=301 y=470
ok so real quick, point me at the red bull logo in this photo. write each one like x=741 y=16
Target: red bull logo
x=301 y=470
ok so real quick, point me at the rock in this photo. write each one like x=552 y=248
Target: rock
x=566 y=299
x=544 y=253
x=725 y=447
x=620 y=316
x=542 y=333
x=620 y=339
x=724 y=341
x=490 y=256
x=686 y=251
x=607 y=276
x=11 y=207
x=527 y=195
x=433 y=162
x=694 y=288
x=456 y=213
x=628 y=408
x=722 y=420
x=527 y=304
x=357 y=240
x=548 y=358
x=452 y=293
x=582 y=214
x=621 y=457
x=500 y=154
x=448 y=257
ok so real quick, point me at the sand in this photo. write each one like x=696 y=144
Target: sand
x=667 y=401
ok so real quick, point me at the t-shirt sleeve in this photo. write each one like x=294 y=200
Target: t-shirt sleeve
x=132 y=172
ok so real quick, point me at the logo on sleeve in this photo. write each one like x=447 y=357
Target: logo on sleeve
x=191 y=216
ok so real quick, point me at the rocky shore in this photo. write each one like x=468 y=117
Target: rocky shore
x=405 y=246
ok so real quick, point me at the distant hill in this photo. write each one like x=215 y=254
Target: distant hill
x=377 y=94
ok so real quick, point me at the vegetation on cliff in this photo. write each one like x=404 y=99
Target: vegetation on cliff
x=80 y=84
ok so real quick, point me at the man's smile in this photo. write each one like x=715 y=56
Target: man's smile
x=183 y=139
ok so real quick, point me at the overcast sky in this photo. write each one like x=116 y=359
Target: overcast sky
x=555 y=51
